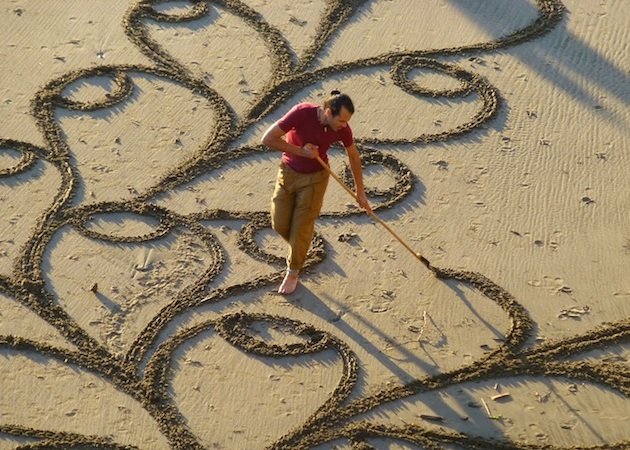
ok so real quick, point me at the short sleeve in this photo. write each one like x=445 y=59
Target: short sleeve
x=346 y=139
x=291 y=119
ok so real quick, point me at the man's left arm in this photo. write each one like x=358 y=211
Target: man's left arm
x=357 y=174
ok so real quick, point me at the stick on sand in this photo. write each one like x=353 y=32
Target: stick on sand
x=422 y=259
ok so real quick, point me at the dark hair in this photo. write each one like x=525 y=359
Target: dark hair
x=336 y=101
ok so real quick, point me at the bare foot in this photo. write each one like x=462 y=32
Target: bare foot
x=288 y=284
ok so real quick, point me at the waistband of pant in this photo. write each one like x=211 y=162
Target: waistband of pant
x=286 y=166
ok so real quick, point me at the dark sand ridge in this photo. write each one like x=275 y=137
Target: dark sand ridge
x=334 y=419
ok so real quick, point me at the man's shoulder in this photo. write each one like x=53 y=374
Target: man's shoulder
x=297 y=115
x=304 y=106
x=345 y=136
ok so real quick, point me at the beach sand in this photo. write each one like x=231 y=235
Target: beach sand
x=138 y=269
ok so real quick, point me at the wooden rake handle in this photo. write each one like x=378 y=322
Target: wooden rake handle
x=422 y=259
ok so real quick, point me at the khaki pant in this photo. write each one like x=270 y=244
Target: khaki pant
x=296 y=203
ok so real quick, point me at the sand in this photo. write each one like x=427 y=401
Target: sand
x=138 y=268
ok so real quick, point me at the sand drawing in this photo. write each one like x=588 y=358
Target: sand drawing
x=143 y=368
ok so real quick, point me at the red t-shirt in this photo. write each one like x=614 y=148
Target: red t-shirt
x=303 y=127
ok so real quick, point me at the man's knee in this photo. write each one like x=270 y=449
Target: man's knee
x=282 y=212
x=281 y=227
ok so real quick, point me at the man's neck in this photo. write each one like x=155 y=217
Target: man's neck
x=321 y=116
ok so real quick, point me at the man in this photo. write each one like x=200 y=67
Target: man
x=302 y=181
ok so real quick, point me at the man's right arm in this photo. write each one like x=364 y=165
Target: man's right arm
x=273 y=139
